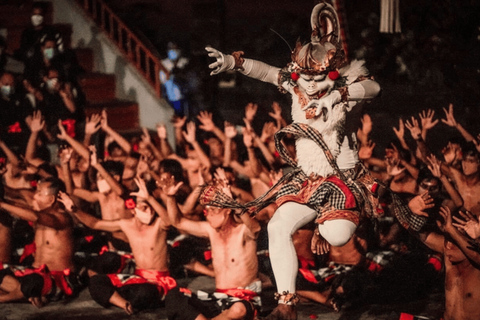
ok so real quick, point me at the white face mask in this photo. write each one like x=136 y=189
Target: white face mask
x=103 y=186
x=6 y=91
x=37 y=20
x=49 y=53
x=143 y=216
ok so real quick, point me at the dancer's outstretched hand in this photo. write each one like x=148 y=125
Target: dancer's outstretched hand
x=223 y=62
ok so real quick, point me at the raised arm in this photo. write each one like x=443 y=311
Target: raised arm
x=190 y=137
x=196 y=228
x=37 y=124
x=88 y=220
x=122 y=142
x=208 y=125
x=76 y=145
x=92 y=125
x=252 y=68
x=143 y=193
x=114 y=184
x=450 y=121
x=165 y=148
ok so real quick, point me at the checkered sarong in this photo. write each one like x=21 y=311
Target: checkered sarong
x=353 y=190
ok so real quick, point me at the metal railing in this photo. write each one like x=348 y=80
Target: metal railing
x=147 y=64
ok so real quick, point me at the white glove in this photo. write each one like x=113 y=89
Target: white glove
x=224 y=61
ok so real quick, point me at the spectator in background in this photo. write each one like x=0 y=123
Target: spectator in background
x=173 y=64
x=13 y=129
x=36 y=32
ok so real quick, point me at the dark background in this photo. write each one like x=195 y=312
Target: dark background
x=432 y=62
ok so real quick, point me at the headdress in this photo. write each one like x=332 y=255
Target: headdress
x=324 y=53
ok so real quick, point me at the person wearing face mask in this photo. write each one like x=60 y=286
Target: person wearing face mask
x=32 y=35
x=174 y=64
x=60 y=99
x=110 y=196
x=146 y=231
x=51 y=55
x=13 y=129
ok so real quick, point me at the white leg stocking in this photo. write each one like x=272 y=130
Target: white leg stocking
x=288 y=218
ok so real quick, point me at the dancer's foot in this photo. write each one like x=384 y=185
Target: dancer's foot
x=283 y=312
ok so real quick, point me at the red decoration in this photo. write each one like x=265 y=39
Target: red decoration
x=333 y=75
x=295 y=76
x=130 y=203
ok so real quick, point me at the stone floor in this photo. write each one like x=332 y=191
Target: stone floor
x=83 y=307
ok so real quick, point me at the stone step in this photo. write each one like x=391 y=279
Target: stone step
x=98 y=87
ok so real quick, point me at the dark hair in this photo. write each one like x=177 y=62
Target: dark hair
x=54 y=185
x=114 y=168
x=113 y=145
x=173 y=167
x=426 y=174
x=469 y=149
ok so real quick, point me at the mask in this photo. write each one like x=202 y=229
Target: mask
x=7 y=91
x=37 y=20
x=51 y=83
x=103 y=186
x=143 y=216
x=173 y=54
x=48 y=53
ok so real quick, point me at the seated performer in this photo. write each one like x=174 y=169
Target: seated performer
x=147 y=234
x=234 y=259
x=50 y=275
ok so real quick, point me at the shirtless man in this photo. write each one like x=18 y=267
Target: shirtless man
x=234 y=258
x=54 y=249
x=467 y=180
x=109 y=197
x=462 y=274
x=147 y=233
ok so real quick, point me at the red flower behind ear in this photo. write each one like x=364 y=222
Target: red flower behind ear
x=333 y=75
x=130 y=203
x=295 y=76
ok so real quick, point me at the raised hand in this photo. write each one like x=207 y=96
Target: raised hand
x=248 y=138
x=66 y=200
x=93 y=155
x=449 y=117
x=367 y=124
x=447 y=225
x=223 y=62
x=146 y=136
x=190 y=135
x=93 y=124
x=65 y=154
x=142 y=192
x=426 y=118
x=104 y=120
x=230 y=130
x=162 y=131
x=179 y=122
x=277 y=111
x=470 y=224
x=37 y=123
x=205 y=118
x=62 y=132
x=414 y=128
x=400 y=132
x=434 y=165
x=251 y=111
x=365 y=152
x=268 y=131
x=420 y=203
